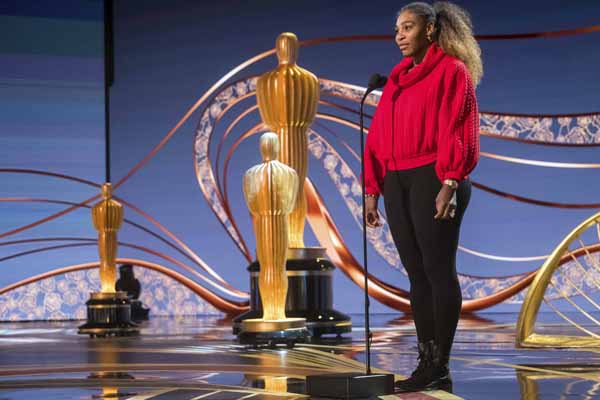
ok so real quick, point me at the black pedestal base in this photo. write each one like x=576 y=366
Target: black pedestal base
x=351 y=385
x=109 y=314
x=310 y=294
x=288 y=337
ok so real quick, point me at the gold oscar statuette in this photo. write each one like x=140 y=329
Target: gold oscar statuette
x=107 y=216
x=270 y=191
x=287 y=99
x=108 y=311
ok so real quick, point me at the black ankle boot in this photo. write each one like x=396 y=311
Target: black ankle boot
x=439 y=378
x=421 y=375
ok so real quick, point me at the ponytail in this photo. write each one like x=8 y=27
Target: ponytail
x=454 y=34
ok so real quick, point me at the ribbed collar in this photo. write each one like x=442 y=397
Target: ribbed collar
x=404 y=78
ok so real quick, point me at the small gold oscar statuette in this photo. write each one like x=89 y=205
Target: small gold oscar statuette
x=109 y=311
x=287 y=100
x=107 y=216
x=270 y=191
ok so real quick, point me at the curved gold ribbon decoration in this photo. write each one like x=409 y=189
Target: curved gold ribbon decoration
x=187 y=251
x=484 y=132
x=92 y=242
x=70 y=203
x=528 y=200
x=330 y=238
x=225 y=305
x=538 y=163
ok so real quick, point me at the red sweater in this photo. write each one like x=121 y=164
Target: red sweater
x=425 y=115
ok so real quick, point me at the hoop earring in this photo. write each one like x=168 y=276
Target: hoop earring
x=429 y=37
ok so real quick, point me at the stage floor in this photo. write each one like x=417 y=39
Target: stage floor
x=197 y=357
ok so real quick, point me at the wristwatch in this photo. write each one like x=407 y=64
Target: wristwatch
x=452 y=183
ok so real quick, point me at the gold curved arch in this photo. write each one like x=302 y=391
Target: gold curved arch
x=525 y=336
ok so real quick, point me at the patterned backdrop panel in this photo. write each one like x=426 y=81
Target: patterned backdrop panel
x=63 y=297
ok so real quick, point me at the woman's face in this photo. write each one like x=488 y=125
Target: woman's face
x=411 y=34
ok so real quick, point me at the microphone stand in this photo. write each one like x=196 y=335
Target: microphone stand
x=367 y=301
x=355 y=385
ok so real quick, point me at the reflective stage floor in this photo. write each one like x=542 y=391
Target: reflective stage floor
x=197 y=358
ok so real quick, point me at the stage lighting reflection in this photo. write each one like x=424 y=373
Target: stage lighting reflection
x=559 y=381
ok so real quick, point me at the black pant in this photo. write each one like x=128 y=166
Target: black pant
x=427 y=248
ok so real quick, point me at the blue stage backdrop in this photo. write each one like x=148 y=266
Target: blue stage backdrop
x=168 y=54
x=51 y=120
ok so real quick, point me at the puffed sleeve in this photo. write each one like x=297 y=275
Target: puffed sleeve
x=458 y=134
x=374 y=167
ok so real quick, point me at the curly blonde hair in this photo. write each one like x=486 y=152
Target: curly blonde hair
x=453 y=32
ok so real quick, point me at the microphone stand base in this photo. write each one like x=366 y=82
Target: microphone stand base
x=350 y=385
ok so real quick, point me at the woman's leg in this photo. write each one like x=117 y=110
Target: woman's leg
x=438 y=241
x=396 y=204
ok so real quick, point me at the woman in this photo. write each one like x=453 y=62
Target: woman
x=422 y=144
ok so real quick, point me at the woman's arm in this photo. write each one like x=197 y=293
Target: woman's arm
x=458 y=136
x=374 y=167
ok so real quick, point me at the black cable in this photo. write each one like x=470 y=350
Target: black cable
x=108 y=79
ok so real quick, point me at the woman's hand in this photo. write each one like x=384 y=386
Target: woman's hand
x=371 y=211
x=444 y=203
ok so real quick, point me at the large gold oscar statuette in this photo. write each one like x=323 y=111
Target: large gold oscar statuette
x=287 y=99
x=270 y=191
x=107 y=216
x=108 y=311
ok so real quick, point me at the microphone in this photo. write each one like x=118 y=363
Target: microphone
x=376 y=81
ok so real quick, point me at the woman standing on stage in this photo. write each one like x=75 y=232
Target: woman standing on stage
x=422 y=144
